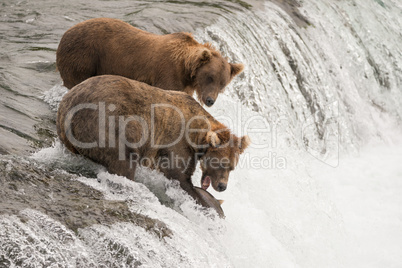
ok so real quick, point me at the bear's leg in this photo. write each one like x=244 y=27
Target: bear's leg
x=77 y=67
x=76 y=76
x=188 y=186
x=123 y=168
x=184 y=177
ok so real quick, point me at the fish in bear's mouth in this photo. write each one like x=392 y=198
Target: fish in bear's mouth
x=205 y=182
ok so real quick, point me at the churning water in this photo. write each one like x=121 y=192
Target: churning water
x=320 y=98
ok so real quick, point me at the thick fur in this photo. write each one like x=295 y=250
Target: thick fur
x=172 y=62
x=190 y=132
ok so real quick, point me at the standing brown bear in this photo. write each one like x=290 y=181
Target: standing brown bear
x=172 y=62
x=121 y=123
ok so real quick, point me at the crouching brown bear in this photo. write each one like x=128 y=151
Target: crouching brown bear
x=172 y=61
x=122 y=123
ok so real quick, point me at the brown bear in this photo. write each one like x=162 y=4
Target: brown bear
x=172 y=61
x=121 y=123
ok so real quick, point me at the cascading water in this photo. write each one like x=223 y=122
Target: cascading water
x=342 y=69
x=320 y=96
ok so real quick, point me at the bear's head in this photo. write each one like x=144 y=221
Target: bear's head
x=210 y=73
x=220 y=158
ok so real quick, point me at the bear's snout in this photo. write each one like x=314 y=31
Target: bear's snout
x=222 y=187
x=209 y=101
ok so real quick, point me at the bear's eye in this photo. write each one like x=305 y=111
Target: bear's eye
x=210 y=79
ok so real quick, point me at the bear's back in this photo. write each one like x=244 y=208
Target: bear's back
x=134 y=97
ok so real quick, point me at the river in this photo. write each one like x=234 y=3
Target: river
x=320 y=98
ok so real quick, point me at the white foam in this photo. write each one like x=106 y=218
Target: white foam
x=54 y=96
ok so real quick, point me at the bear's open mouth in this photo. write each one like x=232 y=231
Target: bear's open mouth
x=205 y=182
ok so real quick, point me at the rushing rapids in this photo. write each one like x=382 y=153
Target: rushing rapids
x=320 y=98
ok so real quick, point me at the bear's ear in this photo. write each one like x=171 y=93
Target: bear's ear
x=236 y=68
x=244 y=143
x=198 y=58
x=212 y=139
x=205 y=55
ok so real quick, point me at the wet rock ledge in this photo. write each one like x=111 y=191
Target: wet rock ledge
x=26 y=184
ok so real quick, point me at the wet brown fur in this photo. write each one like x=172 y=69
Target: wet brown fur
x=133 y=98
x=172 y=62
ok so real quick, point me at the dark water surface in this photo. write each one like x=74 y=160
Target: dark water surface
x=29 y=35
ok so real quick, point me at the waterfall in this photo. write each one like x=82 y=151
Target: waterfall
x=320 y=98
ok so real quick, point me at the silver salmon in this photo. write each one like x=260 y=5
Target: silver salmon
x=210 y=200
